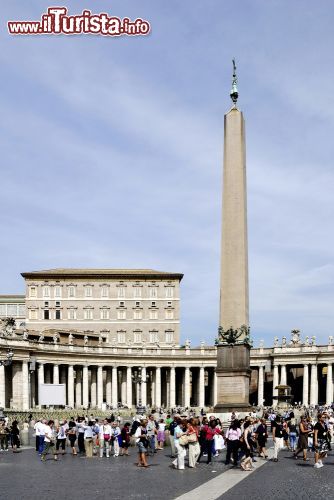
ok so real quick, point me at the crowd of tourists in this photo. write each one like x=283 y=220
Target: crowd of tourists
x=192 y=439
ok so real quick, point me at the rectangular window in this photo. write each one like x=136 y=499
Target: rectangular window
x=46 y=304
x=57 y=291
x=32 y=292
x=71 y=291
x=137 y=337
x=88 y=313
x=46 y=314
x=58 y=314
x=57 y=304
x=121 y=337
x=169 y=337
x=22 y=310
x=105 y=291
x=3 y=310
x=138 y=315
x=153 y=314
x=104 y=313
x=121 y=292
x=169 y=314
x=169 y=292
x=88 y=291
x=137 y=304
x=169 y=304
x=121 y=314
x=33 y=314
x=153 y=292
x=12 y=310
x=153 y=337
x=72 y=314
x=137 y=292
x=121 y=304
x=46 y=291
x=153 y=304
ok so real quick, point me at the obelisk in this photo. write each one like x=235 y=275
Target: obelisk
x=233 y=345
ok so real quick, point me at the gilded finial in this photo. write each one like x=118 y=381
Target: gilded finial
x=234 y=91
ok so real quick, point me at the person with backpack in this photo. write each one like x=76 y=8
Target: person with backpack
x=172 y=426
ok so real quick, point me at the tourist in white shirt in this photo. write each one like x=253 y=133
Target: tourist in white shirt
x=61 y=437
x=105 y=434
x=49 y=438
x=40 y=430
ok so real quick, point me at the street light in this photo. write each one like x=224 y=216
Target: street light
x=138 y=378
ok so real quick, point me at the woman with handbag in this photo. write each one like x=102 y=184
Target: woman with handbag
x=142 y=443
x=194 y=447
x=180 y=448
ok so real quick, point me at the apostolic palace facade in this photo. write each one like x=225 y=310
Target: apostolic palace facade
x=92 y=329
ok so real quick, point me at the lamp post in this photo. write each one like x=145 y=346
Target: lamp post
x=8 y=359
x=139 y=379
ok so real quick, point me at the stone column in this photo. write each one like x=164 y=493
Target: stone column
x=93 y=399
x=99 y=386
x=85 y=391
x=201 y=388
x=55 y=374
x=305 y=386
x=329 y=386
x=70 y=386
x=129 y=387
x=158 y=387
x=123 y=386
x=143 y=387
x=275 y=383
x=40 y=379
x=314 y=385
x=260 y=386
x=25 y=385
x=2 y=387
x=283 y=375
x=108 y=386
x=214 y=388
x=114 y=387
x=172 y=387
x=33 y=389
x=187 y=386
x=78 y=387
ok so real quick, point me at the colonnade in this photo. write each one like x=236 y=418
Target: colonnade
x=310 y=382
x=98 y=386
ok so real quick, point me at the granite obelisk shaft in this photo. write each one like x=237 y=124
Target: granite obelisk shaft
x=234 y=247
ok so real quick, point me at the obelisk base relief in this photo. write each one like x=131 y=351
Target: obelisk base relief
x=233 y=378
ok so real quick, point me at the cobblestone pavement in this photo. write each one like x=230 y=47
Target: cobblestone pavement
x=23 y=475
x=287 y=479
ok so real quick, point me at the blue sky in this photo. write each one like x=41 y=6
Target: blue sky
x=111 y=152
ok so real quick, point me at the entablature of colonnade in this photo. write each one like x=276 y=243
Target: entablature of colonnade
x=122 y=356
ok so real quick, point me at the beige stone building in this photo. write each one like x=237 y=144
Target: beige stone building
x=105 y=306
